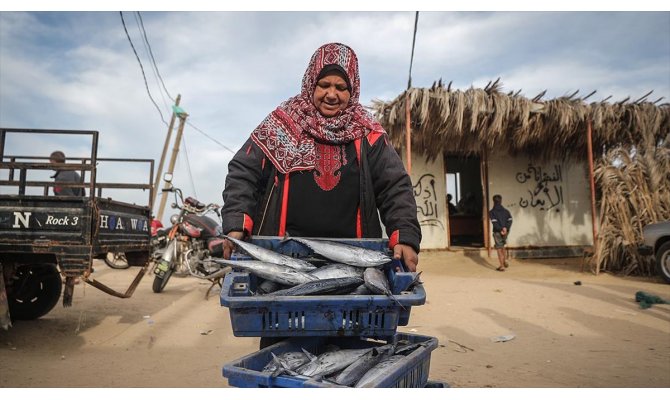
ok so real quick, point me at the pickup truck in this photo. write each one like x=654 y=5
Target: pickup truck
x=656 y=238
x=47 y=241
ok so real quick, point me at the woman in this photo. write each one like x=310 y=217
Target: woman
x=320 y=165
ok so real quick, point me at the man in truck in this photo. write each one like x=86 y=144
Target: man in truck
x=58 y=157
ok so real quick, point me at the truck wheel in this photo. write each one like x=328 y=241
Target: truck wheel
x=159 y=283
x=35 y=291
x=663 y=261
x=116 y=260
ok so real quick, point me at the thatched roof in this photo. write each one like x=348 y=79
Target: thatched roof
x=475 y=120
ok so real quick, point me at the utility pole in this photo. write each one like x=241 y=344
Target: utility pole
x=181 y=114
x=165 y=147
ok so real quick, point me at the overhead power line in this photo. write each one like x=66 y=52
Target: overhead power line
x=154 y=67
x=146 y=85
x=151 y=53
x=210 y=138
x=188 y=166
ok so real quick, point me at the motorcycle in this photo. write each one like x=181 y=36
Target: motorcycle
x=193 y=238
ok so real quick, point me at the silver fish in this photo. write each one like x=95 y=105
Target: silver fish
x=360 y=367
x=263 y=254
x=361 y=290
x=378 y=371
x=277 y=273
x=337 y=271
x=321 y=286
x=409 y=348
x=330 y=362
x=344 y=253
x=290 y=360
x=376 y=281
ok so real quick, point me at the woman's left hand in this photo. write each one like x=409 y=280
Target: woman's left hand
x=407 y=254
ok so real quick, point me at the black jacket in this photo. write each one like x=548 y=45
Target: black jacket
x=253 y=195
x=500 y=218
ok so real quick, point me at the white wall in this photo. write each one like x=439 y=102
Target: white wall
x=430 y=195
x=549 y=201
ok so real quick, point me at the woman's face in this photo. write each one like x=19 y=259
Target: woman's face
x=331 y=95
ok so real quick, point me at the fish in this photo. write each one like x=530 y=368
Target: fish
x=370 y=378
x=321 y=286
x=376 y=282
x=361 y=290
x=337 y=271
x=362 y=365
x=277 y=273
x=344 y=253
x=330 y=362
x=290 y=360
x=263 y=254
x=409 y=348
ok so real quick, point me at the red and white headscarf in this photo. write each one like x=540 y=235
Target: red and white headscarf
x=287 y=135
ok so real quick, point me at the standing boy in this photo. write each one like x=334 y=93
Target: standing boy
x=502 y=223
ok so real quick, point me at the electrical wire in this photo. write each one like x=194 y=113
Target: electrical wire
x=151 y=53
x=154 y=67
x=188 y=166
x=210 y=138
x=146 y=85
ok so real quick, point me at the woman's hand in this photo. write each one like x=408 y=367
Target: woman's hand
x=407 y=254
x=229 y=246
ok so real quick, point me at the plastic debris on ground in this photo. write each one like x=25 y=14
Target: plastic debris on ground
x=502 y=338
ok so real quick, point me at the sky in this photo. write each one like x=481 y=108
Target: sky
x=77 y=70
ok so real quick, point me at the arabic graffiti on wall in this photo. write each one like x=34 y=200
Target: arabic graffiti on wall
x=545 y=191
x=426 y=202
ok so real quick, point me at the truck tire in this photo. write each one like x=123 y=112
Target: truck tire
x=663 y=261
x=35 y=291
x=116 y=260
x=159 y=283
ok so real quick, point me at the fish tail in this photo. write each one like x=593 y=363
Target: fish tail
x=395 y=299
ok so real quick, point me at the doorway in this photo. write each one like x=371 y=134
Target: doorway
x=465 y=200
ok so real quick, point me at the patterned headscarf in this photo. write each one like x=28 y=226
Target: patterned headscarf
x=287 y=135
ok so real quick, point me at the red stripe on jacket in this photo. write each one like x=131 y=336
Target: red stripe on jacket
x=394 y=239
x=248 y=224
x=284 y=207
x=373 y=137
x=359 y=226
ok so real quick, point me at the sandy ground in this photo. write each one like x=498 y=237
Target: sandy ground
x=566 y=335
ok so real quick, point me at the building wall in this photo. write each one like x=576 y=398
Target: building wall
x=549 y=201
x=430 y=193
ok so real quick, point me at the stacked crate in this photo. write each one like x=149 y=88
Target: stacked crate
x=311 y=322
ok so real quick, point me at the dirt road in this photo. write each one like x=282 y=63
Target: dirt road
x=565 y=335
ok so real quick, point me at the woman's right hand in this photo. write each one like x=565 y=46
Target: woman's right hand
x=229 y=246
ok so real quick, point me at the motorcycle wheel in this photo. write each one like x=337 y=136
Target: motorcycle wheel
x=159 y=283
x=35 y=291
x=116 y=260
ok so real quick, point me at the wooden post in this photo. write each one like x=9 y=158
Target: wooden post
x=173 y=160
x=165 y=147
x=484 y=165
x=446 y=207
x=408 y=141
x=589 y=144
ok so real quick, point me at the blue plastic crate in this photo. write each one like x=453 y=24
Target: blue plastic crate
x=411 y=372
x=334 y=315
